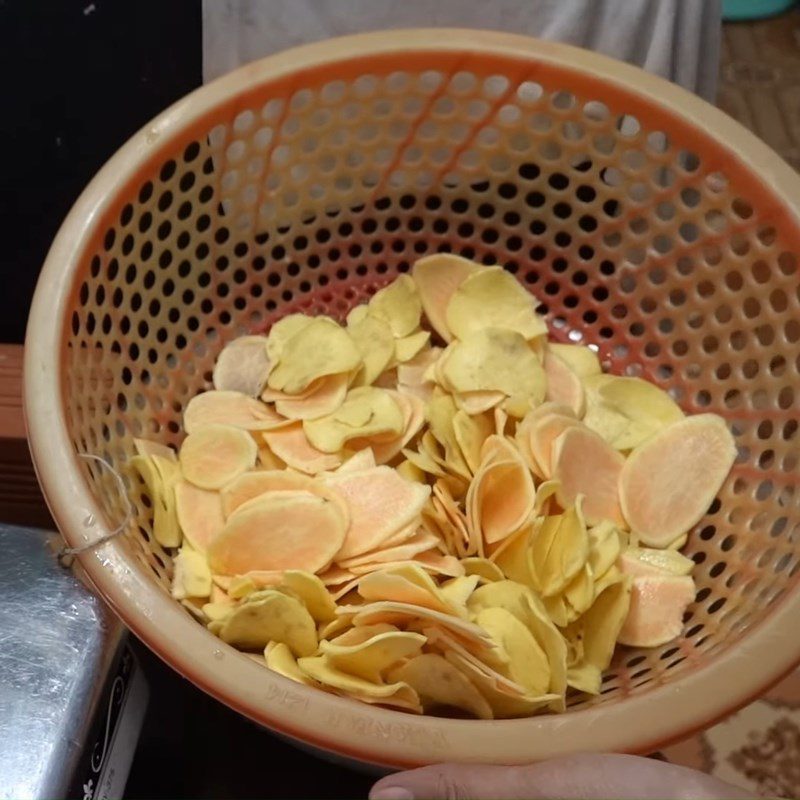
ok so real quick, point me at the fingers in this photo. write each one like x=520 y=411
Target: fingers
x=455 y=782
x=580 y=777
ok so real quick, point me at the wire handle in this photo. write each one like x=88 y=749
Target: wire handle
x=65 y=551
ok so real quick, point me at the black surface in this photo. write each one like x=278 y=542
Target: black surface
x=78 y=78
x=194 y=747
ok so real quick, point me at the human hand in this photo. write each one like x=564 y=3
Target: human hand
x=580 y=777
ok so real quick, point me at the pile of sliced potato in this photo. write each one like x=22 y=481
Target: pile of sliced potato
x=463 y=529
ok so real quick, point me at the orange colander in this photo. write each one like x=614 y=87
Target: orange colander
x=645 y=221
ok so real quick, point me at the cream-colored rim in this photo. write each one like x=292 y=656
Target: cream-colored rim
x=637 y=724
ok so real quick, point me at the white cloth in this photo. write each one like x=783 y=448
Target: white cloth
x=677 y=39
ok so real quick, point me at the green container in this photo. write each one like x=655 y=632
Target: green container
x=736 y=10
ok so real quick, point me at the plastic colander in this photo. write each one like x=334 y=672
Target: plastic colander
x=645 y=221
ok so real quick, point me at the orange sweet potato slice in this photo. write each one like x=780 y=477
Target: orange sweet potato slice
x=584 y=463
x=380 y=502
x=253 y=484
x=280 y=530
x=229 y=408
x=689 y=460
x=437 y=277
x=417 y=544
x=656 y=609
x=542 y=434
x=199 y=514
x=216 y=454
x=326 y=396
x=500 y=500
x=563 y=385
x=291 y=445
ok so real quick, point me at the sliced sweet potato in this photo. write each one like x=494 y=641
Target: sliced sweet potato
x=563 y=385
x=542 y=433
x=656 y=610
x=291 y=446
x=229 y=408
x=668 y=483
x=200 y=514
x=251 y=485
x=216 y=454
x=279 y=530
x=326 y=396
x=380 y=502
x=500 y=500
x=585 y=464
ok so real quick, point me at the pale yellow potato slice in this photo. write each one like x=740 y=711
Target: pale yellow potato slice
x=478 y=402
x=471 y=635
x=582 y=360
x=398 y=305
x=229 y=408
x=400 y=695
x=603 y=622
x=374 y=340
x=200 y=514
x=441 y=411
x=280 y=530
x=649 y=561
x=437 y=277
x=413 y=411
x=690 y=461
x=559 y=551
x=411 y=472
x=528 y=664
x=409 y=584
x=160 y=476
x=493 y=298
x=366 y=412
x=495 y=360
x=216 y=454
x=191 y=577
x=279 y=658
x=318 y=349
x=242 y=366
x=409 y=346
x=270 y=616
x=282 y=331
x=585 y=464
x=371 y=658
x=470 y=433
x=439 y=683
x=146 y=448
x=312 y=592
x=486 y=570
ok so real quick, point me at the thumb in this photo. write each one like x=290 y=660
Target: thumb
x=579 y=777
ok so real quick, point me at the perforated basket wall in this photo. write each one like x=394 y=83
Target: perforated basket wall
x=634 y=226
